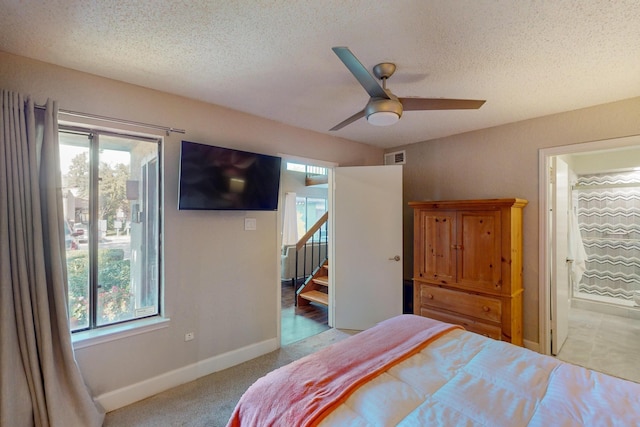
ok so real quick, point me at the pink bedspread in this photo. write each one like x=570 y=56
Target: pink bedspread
x=305 y=391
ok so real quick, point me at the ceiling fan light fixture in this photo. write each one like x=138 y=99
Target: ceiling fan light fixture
x=383 y=112
x=383 y=118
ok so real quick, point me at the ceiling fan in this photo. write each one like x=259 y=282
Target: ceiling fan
x=384 y=108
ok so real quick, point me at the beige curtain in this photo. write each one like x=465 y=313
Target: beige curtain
x=290 y=220
x=40 y=383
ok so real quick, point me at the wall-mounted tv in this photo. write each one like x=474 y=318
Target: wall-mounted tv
x=217 y=178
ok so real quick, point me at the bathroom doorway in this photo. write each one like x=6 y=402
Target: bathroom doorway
x=591 y=267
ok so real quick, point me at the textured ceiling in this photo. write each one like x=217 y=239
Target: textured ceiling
x=273 y=58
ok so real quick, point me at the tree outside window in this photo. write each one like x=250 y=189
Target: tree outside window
x=112 y=209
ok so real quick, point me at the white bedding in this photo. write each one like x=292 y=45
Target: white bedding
x=464 y=379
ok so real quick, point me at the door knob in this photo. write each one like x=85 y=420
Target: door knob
x=395 y=258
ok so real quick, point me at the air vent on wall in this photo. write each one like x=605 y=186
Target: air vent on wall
x=395 y=158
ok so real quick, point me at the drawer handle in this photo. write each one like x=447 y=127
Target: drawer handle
x=429 y=296
x=486 y=309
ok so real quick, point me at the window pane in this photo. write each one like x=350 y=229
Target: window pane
x=74 y=166
x=309 y=210
x=295 y=167
x=315 y=209
x=111 y=208
x=127 y=230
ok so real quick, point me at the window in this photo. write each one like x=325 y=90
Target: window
x=309 y=210
x=308 y=169
x=111 y=195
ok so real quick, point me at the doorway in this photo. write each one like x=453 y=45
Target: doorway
x=590 y=280
x=304 y=189
x=364 y=246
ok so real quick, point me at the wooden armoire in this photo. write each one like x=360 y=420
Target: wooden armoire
x=468 y=264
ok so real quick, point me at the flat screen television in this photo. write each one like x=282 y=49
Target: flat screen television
x=217 y=178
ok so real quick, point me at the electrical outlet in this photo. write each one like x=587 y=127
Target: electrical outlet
x=189 y=336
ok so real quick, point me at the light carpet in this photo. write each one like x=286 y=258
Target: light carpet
x=209 y=401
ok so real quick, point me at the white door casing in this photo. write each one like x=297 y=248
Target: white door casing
x=560 y=294
x=366 y=238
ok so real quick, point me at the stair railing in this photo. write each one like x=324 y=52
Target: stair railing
x=311 y=245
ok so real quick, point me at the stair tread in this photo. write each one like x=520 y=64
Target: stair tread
x=321 y=280
x=316 y=296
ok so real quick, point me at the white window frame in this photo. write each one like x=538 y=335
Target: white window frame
x=99 y=334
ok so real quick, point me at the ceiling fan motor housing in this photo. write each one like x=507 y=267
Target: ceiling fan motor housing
x=376 y=107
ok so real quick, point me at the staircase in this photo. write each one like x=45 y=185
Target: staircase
x=316 y=285
x=315 y=288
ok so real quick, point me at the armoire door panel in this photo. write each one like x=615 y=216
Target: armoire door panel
x=437 y=260
x=479 y=250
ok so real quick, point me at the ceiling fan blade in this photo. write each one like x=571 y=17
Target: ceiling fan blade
x=356 y=116
x=368 y=82
x=416 y=104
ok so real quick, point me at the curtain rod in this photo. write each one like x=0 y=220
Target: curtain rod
x=114 y=120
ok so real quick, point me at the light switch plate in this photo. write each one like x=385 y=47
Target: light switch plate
x=250 y=224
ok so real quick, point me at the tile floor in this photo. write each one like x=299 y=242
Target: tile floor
x=603 y=342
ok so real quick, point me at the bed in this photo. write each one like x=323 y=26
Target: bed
x=415 y=371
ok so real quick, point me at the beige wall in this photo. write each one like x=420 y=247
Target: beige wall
x=502 y=162
x=226 y=293
x=220 y=281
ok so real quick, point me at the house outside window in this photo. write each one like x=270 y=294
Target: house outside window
x=111 y=194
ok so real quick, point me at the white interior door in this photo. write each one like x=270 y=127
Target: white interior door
x=366 y=264
x=560 y=295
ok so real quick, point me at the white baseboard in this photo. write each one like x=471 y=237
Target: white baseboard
x=132 y=393
x=124 y=396
x=531 y=345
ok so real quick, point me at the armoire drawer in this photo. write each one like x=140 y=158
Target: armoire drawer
x=478 y=306
x=491 y=331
